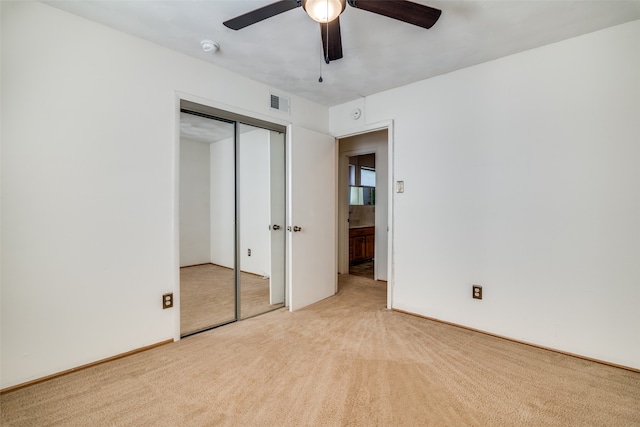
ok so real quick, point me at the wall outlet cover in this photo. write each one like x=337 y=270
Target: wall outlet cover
x=167 y=300
x=477 y=292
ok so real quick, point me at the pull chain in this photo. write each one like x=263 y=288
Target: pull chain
x=326 y=58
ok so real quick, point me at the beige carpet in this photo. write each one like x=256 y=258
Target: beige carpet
x=207 y=296
x=344 y=361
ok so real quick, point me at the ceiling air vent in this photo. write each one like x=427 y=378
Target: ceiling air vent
x=279 y=103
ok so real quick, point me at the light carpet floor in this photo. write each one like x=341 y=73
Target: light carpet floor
x=207 y=296
x=345 y=361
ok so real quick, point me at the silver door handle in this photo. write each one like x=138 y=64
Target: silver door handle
x=296 y=228
x=276 y=227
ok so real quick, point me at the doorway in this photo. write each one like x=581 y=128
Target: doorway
x=363 y=209
x=232 y=217
x=361 y=219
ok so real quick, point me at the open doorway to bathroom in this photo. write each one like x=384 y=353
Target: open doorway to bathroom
x=362 y=214
x=363 y=204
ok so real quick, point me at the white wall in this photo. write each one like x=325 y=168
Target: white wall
x=195 y=183
x=522 y=175
x=89 y=157
x=223 y=199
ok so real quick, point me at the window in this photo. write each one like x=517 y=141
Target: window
x=367 y=177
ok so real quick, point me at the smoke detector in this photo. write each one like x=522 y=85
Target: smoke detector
x=209 y=46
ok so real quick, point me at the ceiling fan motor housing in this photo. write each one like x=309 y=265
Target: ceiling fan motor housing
x=323 y=11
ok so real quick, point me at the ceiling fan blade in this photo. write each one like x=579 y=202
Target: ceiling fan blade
x=331 y=40
x=402 y=10
x=261 y=14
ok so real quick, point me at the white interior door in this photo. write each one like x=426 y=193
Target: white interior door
x=312 y=266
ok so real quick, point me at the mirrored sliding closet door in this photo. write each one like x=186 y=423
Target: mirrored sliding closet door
x=232 y=213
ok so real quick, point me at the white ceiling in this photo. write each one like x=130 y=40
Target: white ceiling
x=379 y=53
x=208 y=130
x=204 y=130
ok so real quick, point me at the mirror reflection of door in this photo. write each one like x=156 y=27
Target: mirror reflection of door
x=261 y=187
x=232 y=210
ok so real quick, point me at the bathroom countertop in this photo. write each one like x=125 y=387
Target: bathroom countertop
x=361 y=226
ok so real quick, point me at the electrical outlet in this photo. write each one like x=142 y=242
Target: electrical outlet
x=477 y=292
x=248 y=252
x=167 y=300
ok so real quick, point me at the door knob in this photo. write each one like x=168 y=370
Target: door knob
x=296 y=228
x=276 y=227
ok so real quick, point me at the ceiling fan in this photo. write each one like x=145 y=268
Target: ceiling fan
x=327 y=13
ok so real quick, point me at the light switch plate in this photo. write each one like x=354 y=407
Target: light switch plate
x=399 y=186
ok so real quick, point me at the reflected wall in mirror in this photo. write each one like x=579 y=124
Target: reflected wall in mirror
x=207 y=211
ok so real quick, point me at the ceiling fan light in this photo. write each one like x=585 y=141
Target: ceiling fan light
x=323 y=11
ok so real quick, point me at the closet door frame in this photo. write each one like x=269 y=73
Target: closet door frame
x=236 y=119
